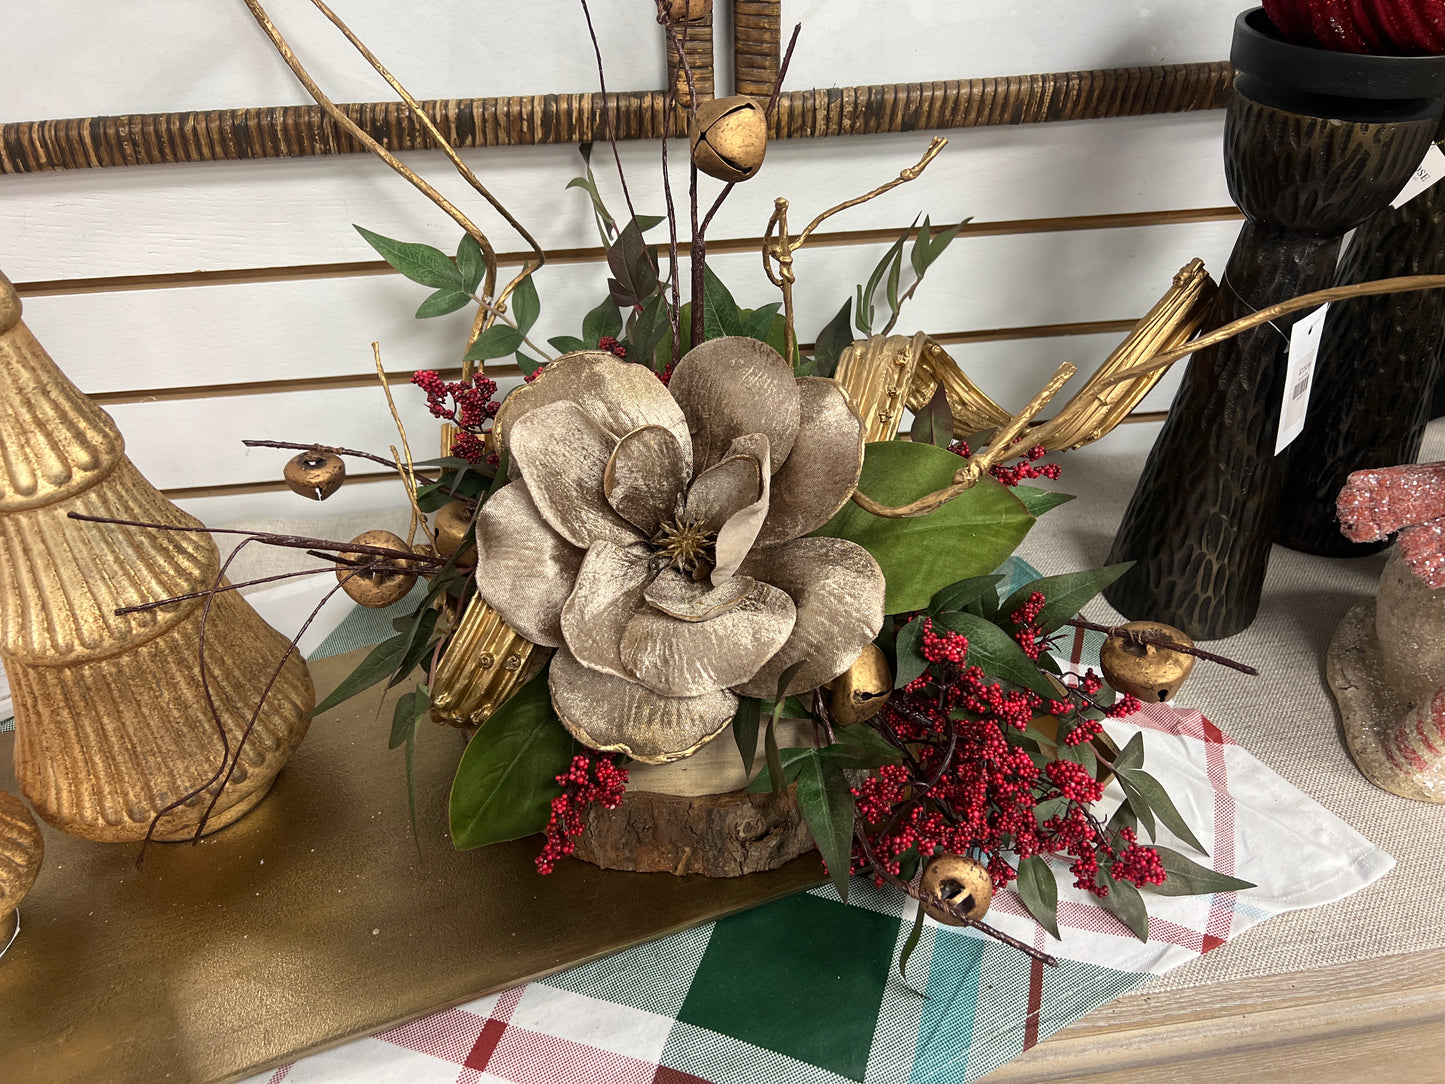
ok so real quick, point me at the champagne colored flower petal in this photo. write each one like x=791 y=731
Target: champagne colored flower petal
x=691 y=658
x=838 y=590
x=823 y=468
x=645 y=477
x=680 y=596
x=616 y=715
x=525 y=570
x=607 y=591
x=619 y=395
x=722 y=490
x=563 y=455
x=736 y=537
x=730 y=387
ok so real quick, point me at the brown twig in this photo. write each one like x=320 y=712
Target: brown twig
x=284 y=541
x=1142 y=636
x=607 y=112
x=292 y=446
x=143 y=606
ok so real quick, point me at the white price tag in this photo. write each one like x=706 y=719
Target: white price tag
x=1430 y=170
x=1304 y=348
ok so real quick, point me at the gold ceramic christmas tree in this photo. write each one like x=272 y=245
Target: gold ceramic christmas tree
x=112 y=719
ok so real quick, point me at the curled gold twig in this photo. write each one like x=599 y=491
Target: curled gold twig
x=967 y=476
x=780 y=248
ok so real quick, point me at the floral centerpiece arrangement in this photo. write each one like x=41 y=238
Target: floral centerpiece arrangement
x=683 y=530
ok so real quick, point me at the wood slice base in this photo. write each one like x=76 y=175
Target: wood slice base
x=717 y=835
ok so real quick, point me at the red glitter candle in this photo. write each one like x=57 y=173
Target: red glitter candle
x=1385 y=27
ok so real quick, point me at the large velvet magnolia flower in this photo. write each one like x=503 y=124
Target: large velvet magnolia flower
x=655 y=538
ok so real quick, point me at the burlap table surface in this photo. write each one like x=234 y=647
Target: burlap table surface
x=1286 y=717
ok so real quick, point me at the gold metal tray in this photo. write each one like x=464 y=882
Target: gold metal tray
x=313 y=920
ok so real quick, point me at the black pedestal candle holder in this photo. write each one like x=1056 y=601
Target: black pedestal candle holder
x=1380 y=359
x=1315 y=143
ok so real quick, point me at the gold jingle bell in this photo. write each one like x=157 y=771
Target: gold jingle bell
x=1154 y=674
x=375 y=588
x=951 y=880
x=859 y=692
x=315 y=474
x=729 y=138
x=454 y=529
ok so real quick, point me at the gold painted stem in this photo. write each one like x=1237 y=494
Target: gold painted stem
x=1401 y=285
x=968 y=475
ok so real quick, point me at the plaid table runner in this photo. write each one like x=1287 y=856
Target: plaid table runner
x=806 y=990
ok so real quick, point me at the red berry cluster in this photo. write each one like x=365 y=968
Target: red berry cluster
x=1028 y=634
x=1021 y=472
x=586 y=782
x=1025 y=470
x=611 y=345
x=469 y=404
x=969 y=784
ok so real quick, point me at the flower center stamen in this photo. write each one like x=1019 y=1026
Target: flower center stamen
x=684 y=544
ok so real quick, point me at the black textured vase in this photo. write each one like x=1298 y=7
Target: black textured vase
x=1378 y=365
x=1314 y=143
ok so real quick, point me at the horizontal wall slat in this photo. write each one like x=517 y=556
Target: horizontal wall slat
x=216 y=217
x=260 y=332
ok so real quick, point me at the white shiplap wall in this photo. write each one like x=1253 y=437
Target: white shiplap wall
x=136 y=343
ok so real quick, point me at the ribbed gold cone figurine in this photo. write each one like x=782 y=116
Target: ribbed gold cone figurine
x=112 y=723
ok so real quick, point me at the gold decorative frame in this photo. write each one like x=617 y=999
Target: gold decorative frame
x=296 y=131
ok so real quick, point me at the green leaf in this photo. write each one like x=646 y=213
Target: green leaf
x=790 y=763
x=826 y=801
x=1125 y=904
x=526 y=305
x=1053 y=807
x=497 y=341
x=836 y=337
x=1038 y=501
x=775 y=762
x=528 y=365
x=996 y=652
x=865 y=293
x=911 y=943
x=720 y=315
x=471 y=265
x=567 y=344
x=418 y=644
x=1123 y=817
x=1188 y=878
x=634 y=272
x=649 y=327
x=411 y=709
x=507 y=776
x=969 y=536
x=863 y=320
x=1040 y=893
x=745 y=729
x=1136 y=781
x=420 y=263
x=1083 y=755
x=602 y=321
x=926 y=251
x=758 y=323
x=861 y=740
x=895 y=275
x=1132 y=755
x=958 y=595
x=441 y=303
x=646 y=222
x=606 y=224
x=920 y=247
x=1064 y=595
x=910 y=662
x=934 y=423
x=380 y=664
